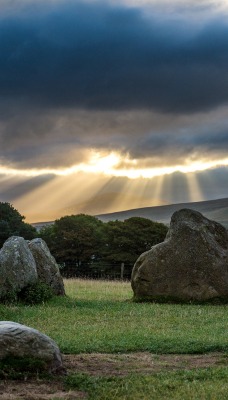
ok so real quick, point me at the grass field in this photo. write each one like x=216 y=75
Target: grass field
x=100 y=317
x=205 y=384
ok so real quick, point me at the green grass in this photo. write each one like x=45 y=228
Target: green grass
x=201 y=384
x=100 y=317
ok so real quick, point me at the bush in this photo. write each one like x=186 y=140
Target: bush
x=21 y=367
x=36 y=293
x=9 y=298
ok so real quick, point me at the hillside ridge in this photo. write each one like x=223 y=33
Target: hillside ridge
x=216 y=210
x=213 y=209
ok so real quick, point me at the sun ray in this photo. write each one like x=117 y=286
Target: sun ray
x=195 y=192
x=131 y=194
x=157 y=190
x=102 y=186
x=59 y=197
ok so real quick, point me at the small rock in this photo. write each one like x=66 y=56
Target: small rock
x=20 y=341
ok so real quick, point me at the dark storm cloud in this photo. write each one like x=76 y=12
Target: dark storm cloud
x=101 y=56
x=175 y=147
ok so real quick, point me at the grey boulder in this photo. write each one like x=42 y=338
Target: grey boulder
x=191 y=265
x=47 y=268
x=21 y=342
x=17 y=266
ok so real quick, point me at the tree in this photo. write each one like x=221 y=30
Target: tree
x=88 y=243
x=74 y=239
x=126 y=240
x=12 y=224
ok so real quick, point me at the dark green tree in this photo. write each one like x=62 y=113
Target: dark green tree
x=74 y=239
x=12 y=224
x=126 y=240
x=88 y=243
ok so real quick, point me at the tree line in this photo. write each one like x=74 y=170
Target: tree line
x=86 y=243
x=12 y=224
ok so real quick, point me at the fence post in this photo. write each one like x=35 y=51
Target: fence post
x=122 y=271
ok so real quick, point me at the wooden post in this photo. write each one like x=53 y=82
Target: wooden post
x=122 y=271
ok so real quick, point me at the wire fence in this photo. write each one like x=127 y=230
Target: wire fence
x=103 y=272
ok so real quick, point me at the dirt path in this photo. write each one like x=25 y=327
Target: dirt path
x=105 y=365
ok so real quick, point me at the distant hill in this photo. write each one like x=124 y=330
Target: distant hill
x=216 y=210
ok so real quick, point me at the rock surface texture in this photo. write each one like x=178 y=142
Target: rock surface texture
x=17 y=266
x=19 y=341
x=23 y=263
x=47 y=268
x=191 y=265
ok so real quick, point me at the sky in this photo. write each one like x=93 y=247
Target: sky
x=112 y=105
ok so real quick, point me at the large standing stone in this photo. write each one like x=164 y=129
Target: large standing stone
x=190 y=265
x=19 y=342
x=17 y=266
x=47 y=268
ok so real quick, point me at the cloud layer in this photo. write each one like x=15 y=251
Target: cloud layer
x=105 y=57
x=145 y=79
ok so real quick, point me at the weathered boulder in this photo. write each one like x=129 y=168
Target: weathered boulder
x=22 y=342
x=191 y=265
x=17 y=266
x=47 y=268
